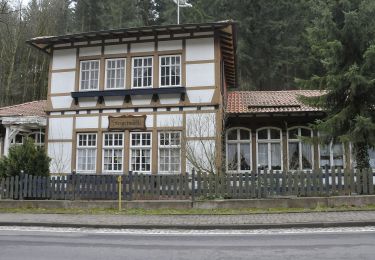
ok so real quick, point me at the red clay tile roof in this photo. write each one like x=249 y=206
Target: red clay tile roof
x=269 y=101
x=34 y=108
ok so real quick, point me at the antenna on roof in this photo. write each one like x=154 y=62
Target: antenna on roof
x=181 y=3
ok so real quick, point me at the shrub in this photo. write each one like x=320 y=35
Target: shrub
x=27 y=158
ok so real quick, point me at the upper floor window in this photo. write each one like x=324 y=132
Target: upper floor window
x=115 y=73
x=170 y=71
x=238 y=150
x=89 y=75
x=142 y=72
x=300 y=153
x=170 y=152
x=331 y=155
x=269 y=154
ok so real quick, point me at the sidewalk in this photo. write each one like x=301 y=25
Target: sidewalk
x=251 y=221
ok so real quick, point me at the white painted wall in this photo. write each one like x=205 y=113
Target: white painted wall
x=62 y=82
x=142 y=47
x=87 y=122
x=169 y=45
x=60 y=153
x=198 y=75
x=87 y=102
x=201 y=152
x=64 y=59
x=90 y=51
x=200 y=49
x=113 y=101
x=167 y=99
x=61 y=102
x=141 y=99
x=116 y=49
x=60 y=128
x=201 y=125
x=200 y=96
x=169 y=120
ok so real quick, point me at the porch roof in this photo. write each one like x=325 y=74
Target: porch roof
x=255 y=102
x=34 y=108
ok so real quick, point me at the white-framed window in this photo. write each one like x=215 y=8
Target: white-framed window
x=113 y=152
x=89 y=79
x=142 y=72
x=238 y=149
x=140 y=151
x=115 y=73
x=170 y=152
x=269 y=150
x=170 y=71
x=300 y=153
x=86 y=152
x=331 y=154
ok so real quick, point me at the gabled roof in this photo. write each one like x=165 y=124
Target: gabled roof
x=34 y=108
x=226 y=30
x=251 y=102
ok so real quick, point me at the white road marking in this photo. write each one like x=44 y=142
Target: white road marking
x=175 y=232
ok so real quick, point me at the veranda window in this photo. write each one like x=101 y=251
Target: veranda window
x=142 y=72
x=269 y=154
x=86 y=152
x=140 y=149
x=238 y=150
x=115 y=73
x=331 y=155
x=89 y=75
x=300 y=153
x=170 y=71
x=170 y=152
x=113 y=149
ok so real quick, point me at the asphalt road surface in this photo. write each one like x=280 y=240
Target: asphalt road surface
x=58 y=243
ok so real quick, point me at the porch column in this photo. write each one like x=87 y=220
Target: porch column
x=7 y=140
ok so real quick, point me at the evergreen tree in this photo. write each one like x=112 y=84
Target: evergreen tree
x=343 y=39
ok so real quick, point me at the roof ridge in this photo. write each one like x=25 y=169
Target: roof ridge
x=17 y=105
x=268 y=91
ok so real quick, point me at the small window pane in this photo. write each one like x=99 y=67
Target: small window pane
x=275 y=134
x=244 y=134
x=232 y=157
x=232 y=134
x=293 y=133
x=263 y=134
x=245 y=156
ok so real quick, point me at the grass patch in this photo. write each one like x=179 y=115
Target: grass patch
x=246 y=211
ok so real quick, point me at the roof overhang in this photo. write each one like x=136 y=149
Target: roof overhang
x=226 y=30
x=29 y=121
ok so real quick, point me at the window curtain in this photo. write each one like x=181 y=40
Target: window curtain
x=275 y=156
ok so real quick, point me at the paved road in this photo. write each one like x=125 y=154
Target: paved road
x=38 y=243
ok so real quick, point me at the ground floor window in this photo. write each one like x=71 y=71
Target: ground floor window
x=331 y=155
x=86 y=152
x=113 y=152
x=170 y=152
x=238 y=150
x=140 y=152
x=300 y=153
x=269 y=153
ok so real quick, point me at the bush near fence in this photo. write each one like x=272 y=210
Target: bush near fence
x=196 y=185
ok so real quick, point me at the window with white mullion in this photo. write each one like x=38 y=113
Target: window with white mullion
x=331 y=154
x=142 y=72
x=89 y=75
x=113 y=149
x=269 y=152
x=169 y=152
x=140 y=151
x=300 y=153
x=170 y=71
x=115 y=73
x=86 y=153
x=238 y=150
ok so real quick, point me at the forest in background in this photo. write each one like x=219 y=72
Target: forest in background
x=273 y=49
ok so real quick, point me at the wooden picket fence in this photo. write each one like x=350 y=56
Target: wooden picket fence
x=193 y=186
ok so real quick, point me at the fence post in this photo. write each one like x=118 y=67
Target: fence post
x=74 y=184
x=20 y=188
x=192 y=187
x=119 y=180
